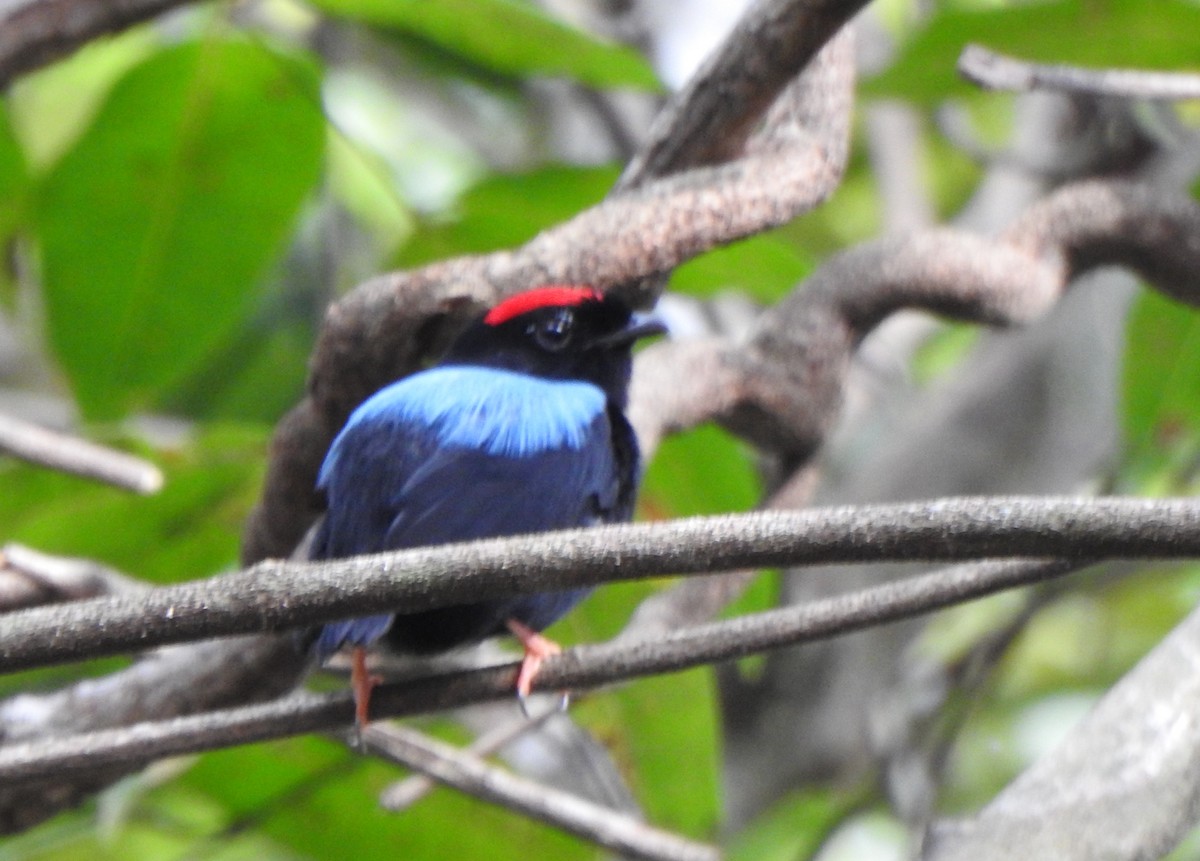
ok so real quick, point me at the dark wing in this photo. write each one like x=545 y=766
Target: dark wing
x=359 y=477
x=391 y=487
x=460 y=494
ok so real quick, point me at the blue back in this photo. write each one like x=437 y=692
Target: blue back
x=461 y=452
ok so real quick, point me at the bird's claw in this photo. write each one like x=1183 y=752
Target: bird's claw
x=564 y=702
x=537 y=649
x=362 y=683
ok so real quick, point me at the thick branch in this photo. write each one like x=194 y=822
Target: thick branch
x=659 y=217
x=1121 y=786
x=783 y=389
x=275 y=595
x=713 y=117
x=34 y=33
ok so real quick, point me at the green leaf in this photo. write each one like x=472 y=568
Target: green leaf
x=793 y=827
x=652 y=725
x=189 y=529
x=766 y=267
x=705 y=471
x=14 y=188
x=52 y=106
x=1161 y=378
x=509 y=37
x=303 y=798
x=13 y=173
x=507 y=209
x=1103 y=34
x=255 y=377
x=157 y=226
x=666 y=721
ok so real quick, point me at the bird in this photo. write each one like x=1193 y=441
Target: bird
x=519 y=428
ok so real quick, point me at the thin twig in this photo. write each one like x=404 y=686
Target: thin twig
x=580 y=667
x=65 y=453
x=70 y=578
x=575 y=815
x=403 y=794
x=276 y=594
x=29 y=579
x=995 y=71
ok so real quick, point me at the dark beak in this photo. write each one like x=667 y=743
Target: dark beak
x=639 y=326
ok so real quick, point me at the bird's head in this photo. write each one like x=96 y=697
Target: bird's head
x=565 y=332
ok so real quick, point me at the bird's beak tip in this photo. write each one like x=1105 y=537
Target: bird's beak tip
x=644 y=325
x=639 y=326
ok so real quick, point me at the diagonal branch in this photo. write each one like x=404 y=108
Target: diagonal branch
x=65 y=453
x=34 y=33
x=1122 y=785
x=612 y=829
x=403 y=794
x=29 y=578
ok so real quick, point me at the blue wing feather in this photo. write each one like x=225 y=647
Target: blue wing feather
x=458 y=453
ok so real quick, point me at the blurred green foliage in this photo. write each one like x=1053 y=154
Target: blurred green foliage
x=1161 y=389
x=157 y=225
x=1096 y=33
x=505 y=36
x=165 y=188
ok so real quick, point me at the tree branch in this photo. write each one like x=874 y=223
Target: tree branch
x=403 y=794
x=462 y=770
x=34 y=33
x=168 y=682
x=782 y=390
x=44 y=447
x=1121 y=786
x=29 y=578
x=996 y=71
x=276 y=595
x=713 y=117
x=577 y=668
x=659 y=216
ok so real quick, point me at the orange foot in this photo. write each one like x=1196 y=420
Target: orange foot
x=537 y=649
x=362 y=683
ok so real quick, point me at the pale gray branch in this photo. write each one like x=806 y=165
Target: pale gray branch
x=29 y=578
x=70 y=454
x=575 y=815
x=997 y=71
x=405 y=793
x=1121 y=786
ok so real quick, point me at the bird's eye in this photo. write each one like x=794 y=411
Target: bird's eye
x=554 y=333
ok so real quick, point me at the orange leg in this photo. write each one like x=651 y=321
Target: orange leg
x=361 y=682
x=537 y=649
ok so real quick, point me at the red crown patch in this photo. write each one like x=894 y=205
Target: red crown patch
x=540 y=297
